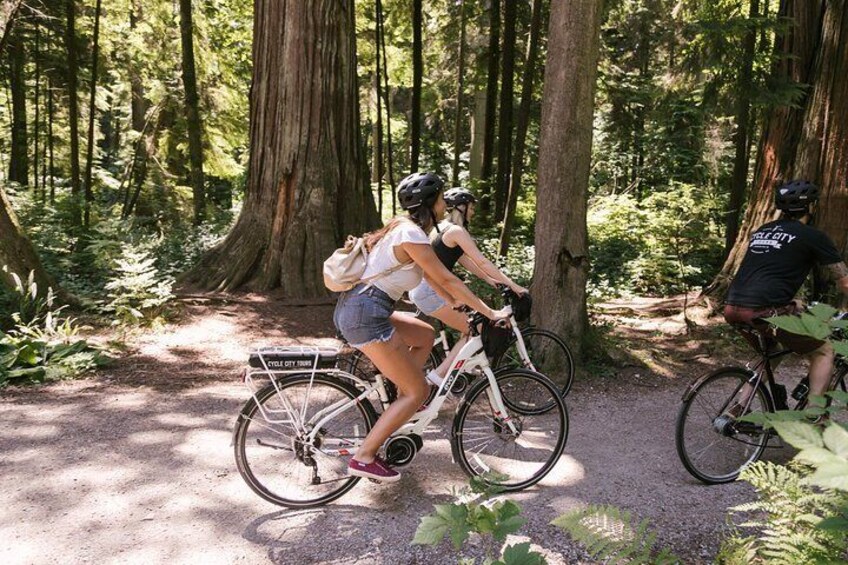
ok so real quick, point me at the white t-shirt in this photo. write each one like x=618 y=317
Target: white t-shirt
x=382 y=258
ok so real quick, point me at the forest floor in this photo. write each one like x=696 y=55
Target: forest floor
x=135 y=464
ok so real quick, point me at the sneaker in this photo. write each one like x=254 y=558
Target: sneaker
x=377 y=470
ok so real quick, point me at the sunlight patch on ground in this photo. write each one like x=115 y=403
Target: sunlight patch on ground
x=151 y=437
x=552 y=557
x=38 y=432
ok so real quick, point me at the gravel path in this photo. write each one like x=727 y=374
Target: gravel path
x=135 y=465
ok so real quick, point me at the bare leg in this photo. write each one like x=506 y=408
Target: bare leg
x=417 y=334
x=394 y=360
x=457 y=321
x=821 y=367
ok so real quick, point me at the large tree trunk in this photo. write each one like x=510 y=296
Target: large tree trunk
x=306 y=189
x=92 y=109
x=521 y=126
x=562 y=262
x=390 y=167
x=192 y=112
x=417 y=75
x=493 y=64
x=19 y=155
x=505 y=112
x=809 y=140
x=478 y=132
x=73 y=105
x=739 y=178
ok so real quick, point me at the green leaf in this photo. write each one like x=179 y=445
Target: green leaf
x=799 y=435
x=840 y=347
x=520 y=554
x=61 y=351
x=31 y=373
x=836 y=439
x=822 y=311
x=833 y=475
x=834 y=524
x=817 y=456
x=431 y=531
x=508 y=526
x=805 y=324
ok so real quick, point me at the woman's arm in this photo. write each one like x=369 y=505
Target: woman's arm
x=446 y=296
x=474 y=260
x=437 y=273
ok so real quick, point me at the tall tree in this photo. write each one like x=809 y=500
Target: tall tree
x=808 y=139
x=192 y=112
x=562 y=262
x=387 y=94
x=8 y=14
x=19 y=155
x=306 y=189
x=493 y=63
x=521 y=127
x=36 y=127
x=505 y=114
x=73 y=104
x=417 y=75
x=460 y=84
x=739 y=178
x=16 y=251
x=92 y=110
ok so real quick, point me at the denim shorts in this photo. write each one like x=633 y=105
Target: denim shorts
x=362 y=317
x=426 y=299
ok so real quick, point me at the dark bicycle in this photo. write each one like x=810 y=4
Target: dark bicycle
x=713 y=444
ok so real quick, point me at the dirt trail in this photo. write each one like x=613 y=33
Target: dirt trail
x=135 y=464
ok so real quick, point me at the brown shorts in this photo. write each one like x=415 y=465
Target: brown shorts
x=747 y=319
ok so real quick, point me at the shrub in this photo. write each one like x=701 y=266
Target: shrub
x=137 y=291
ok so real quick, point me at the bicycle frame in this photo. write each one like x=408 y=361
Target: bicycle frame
x=470 y=357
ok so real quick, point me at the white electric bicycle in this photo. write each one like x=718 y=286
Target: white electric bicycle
x=294 y=437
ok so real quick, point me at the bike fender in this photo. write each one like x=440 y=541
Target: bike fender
x=687 y=394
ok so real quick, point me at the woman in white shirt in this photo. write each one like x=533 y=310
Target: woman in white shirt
x=399 y=345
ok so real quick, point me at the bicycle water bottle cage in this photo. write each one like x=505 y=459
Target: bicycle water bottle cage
x=293 y=358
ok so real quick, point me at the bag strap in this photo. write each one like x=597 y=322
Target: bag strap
x=369 y=282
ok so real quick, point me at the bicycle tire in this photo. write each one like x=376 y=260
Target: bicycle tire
x=263 y=469
x=474 y=418
x=557 y=364
x=737 y=444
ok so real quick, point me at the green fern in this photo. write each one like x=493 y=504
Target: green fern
x=612 y=535
x=785 y=519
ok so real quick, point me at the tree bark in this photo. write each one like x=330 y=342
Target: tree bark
x=192 y=112
x=521 y=126
x=73 y=105
x=36 y=129
x=306 y=189
x=379 y=148
x=478 y=132
x=739 y=177
x=51 y=164
x=491 y=106
x=460 y=84
x=92 y=109
x=417 y=75
x=562 y=262
x=19 y=155
x=505 y=114
x=810 y=139
x=387 y=94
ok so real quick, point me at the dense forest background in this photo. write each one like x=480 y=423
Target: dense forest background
x=624 y=144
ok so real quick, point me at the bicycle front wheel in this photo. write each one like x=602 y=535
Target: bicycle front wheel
x=272 y=455
x=484 y=444
x=712 y=445
x=547 y=353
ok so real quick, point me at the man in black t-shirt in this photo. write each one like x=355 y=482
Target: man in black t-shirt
x=780 y=256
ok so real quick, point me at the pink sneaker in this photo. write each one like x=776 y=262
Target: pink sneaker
x=377 y=470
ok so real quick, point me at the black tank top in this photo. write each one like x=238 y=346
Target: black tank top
x=447 y=255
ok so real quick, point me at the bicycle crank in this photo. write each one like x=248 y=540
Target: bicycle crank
x=401 y=450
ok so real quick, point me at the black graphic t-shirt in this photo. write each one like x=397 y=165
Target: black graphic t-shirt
x=780 y=256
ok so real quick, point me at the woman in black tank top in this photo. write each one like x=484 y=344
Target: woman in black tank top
x=453 y=244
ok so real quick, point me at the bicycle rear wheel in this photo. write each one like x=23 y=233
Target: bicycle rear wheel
x=271 y=454
x=482 y=441
x=712 y=445
x=548 y=354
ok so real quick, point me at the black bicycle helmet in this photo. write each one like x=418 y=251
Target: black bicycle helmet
x=419 y=189
x=796 y=196
x=458 y=195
